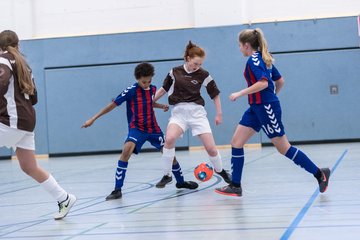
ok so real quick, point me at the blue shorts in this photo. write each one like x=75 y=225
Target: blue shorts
x=266 y=116
x=139 y=138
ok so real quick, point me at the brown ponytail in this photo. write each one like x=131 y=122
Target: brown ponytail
x=257 y=41
x=193 y=50
x=9 y=41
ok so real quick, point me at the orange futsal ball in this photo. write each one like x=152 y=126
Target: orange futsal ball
x=203 y=172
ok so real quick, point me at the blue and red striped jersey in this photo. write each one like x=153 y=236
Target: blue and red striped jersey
x=256 y=70
x=139 y=106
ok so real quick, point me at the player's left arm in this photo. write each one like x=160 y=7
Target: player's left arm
x=214 y=94
x=278 y=79
x=34 y=97
x=165 y=107
x=218 y=117
x=279 y=85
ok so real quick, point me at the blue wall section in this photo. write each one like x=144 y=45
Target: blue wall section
x=79 y=75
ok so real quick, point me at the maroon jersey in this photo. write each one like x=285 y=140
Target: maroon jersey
x=183 y=86
x=139 y=106
x=16 y=108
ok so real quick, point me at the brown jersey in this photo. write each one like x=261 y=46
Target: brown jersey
x=183 y=86
x=16 y=108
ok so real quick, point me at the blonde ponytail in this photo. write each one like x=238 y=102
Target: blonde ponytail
x=258 y=42
x=263 y=47
x=9 y=41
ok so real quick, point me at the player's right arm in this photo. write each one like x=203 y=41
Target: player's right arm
x=168 y=81
x=124 y=96
x=103 y=111
x=159 y=93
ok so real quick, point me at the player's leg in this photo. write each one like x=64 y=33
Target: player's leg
x=208 y=141
x=171 y=165
x=200 y=127
x=157 y=140
x=173 y=132
x=270 y=118
x=121 y=169
x=299 y=158
x=240 y=137
x=248 y=126
x=29 y=165
x=25 y=148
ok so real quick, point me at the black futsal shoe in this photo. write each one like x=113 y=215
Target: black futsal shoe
x=225 y=175
x=165 y=180
x=116 y=194
x=230 y=190
x=188 y=185
x=324 y=181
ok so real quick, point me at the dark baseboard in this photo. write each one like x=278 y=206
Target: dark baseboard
x=76 y=154
x=317 y=142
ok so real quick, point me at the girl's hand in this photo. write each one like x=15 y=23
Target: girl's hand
x=88 y=123
x=234 y=96
x=165 y=107
x=218 y=119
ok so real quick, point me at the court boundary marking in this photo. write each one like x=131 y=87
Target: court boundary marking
x=294 y=224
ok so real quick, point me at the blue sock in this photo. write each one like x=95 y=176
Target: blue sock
x=237 y=164
x=301 y=159
x=176 y=170
x=120 y=174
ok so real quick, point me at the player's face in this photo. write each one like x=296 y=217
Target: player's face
x=144 y=82
x=193 y=64
x=244 y=48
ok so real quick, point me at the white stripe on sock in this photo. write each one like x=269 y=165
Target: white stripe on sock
x=297 y=150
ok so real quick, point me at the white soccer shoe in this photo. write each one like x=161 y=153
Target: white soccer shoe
x=65 y=206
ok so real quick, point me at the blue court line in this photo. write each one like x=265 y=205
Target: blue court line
x=147 y=203
x=87 y=230
x=22 y=228
x=167 y=232
x=307 y=206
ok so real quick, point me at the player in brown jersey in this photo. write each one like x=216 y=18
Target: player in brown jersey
x=183 y=84
x=17 y=118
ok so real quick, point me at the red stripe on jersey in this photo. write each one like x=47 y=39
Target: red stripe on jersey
x=157 y=128
x=250 y=97
x=253 y=81
x=140 y=112
x=132 y=122
x=149 y=111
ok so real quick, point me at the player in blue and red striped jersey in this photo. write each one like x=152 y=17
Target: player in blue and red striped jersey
x=142 y=125
x=264 y=83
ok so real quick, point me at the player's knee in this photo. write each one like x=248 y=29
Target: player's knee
x=170 y=141
x=236 y=143
x=281 y=149
x=212 y=152
x=28 y=169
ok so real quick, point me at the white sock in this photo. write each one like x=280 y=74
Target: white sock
x=54 y=189
x=216 y=162
x=167 y=158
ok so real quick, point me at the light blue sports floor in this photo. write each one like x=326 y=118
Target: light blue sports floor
x=281 y=201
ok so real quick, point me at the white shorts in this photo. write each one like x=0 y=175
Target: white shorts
x=190 y=115
x=15 y=138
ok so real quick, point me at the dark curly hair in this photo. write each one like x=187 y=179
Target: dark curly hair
x=144 y=70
